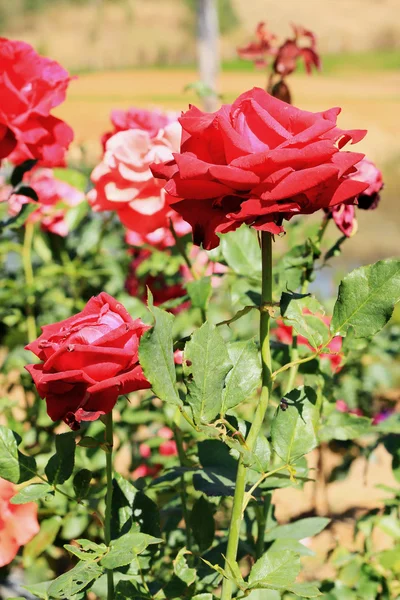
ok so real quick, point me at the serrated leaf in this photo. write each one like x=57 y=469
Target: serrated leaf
x=75 y=580
x=49 y=529
x=126 y=548
x=31 y=493
x=305 y=590
x=241 y=251
x=293 y=430
x=87 y=550
x=298 y=530
x=200 y=292
x=202 y=523
x=61 y=465
x=81 y=483
x=275 y=569
x=244 y=377
x=156 y=355
x=206 y=364
x=14 y=466
x=366 y=299
x=182 y=569
x=296 y=309
x=344 y=426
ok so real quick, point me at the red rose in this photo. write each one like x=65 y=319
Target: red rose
x=258 y=161
x=291 y=50
x=344 y=214
x=30 y=87
x=259 y=50
x=138 y=118
x=18 y=523
x=88 y=361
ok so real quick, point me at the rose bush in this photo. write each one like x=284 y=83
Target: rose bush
x=124 y=182
x=30 y=87
x=258 y=161
x=55 y=197
x=88 y=361
x=18 y=523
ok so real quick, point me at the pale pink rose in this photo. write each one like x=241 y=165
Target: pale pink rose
x=124 y=182
x=55 y=198
x=18 y=523
x=139 y=118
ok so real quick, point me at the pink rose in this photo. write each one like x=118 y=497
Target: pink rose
x=18 y=523
x=124 y=182
x=138 y=118
x=55 y=198
x=162 y=237
x=30 y=87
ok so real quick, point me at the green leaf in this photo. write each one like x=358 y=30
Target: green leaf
x=344 y=426
x=124 y=494
x=81 y=483
x=75 y=580
x=202 y=523
x=304 y=590
x=206 y=364
x=75 y=215
x=300 y=529
x=156 y=355
x=14 y=466
x=31 y=493
x=294 y=309
x=366 y=299
x=146 y=513
x=131 y=590
x=61 y=464
x=243 y=379
x=182 y=569
x=241 y=251
x=218 y=475
x=280 y=545
x=87 y=550
x=275 y=569
x=238 y=315
x=200 y=292
x=205 y=596
x=40 y=590
x=126 y=548
x=49 y=529
x=293 y=430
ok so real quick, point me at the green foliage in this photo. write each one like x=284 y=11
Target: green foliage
x=206 y=364
x=14 y=466
x=366 y=299
x=61 y=465
x=244 y=377
x=202 y=523
x=241 y=251
x=75 y=580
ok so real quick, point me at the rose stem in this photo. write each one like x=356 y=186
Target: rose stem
x=108 y=421
x=240 y=488
x=29 y=279
x=185 y=511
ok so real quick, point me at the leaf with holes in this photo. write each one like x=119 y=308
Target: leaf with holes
x=206 y=364
x=87 y=550
x=75 y=580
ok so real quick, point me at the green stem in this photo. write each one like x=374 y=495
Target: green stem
x=240 y=489
x=29 y=279
x=185 y=511
x=107 y=521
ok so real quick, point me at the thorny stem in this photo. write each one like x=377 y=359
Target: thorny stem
x=240 y=489
x=29 y=279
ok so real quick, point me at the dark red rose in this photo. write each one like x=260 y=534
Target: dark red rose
x=259 y=50
x=258 y=161
x=30 y=87
x=291 y=50
x=88 y=361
